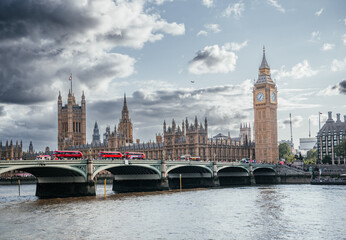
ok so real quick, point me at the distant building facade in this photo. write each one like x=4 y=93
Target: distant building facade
x=265 y=115
x=329 y=136
x=306 y=144
x=192 y=139
x=189 y=139
x=11 y=151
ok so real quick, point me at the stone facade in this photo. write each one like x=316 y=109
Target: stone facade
x=189 y=139
x=11 y=151
x=329 y=136
x=265 y=115
x=71 y=122
x=192 y=139
x=125 y=125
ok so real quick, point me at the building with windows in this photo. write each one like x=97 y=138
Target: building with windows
x=329 y=136
x=71 y=122
x=11 y=151
x=306 y=144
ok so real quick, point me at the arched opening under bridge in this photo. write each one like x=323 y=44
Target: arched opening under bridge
x=191 y=177
x=265 y=176
x=229 y=176
x=132 y=178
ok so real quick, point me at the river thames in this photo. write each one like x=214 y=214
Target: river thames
x=253 y=212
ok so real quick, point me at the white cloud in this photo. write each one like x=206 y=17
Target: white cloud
x=213 y=59
x=344 y=39
x=202 y=33
x=160 y=2
x=235 y=46
x=208 y=3
x=315 y=36
x=327 y=46
x=332 y=90
x=213 y=27
x=275 y=4
x=314 y=119
x=329 y=91
x=318 y=13
x=235 y=10
x=300 y=70
x=338 y=65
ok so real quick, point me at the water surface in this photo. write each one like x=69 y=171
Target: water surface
x=258 y=212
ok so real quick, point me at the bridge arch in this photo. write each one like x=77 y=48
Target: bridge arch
x=265 y=175
x=48 y=171
x=233 y=175
x=192 y=176
x=133 y=169
x=232 y=169
x=183 y=169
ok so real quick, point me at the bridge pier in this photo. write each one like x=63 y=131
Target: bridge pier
x=121 y=186
x=66 y=189
x=252 y=176
x=216 y=180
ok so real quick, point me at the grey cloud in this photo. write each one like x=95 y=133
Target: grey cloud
x=42 y=19
x=149 y=113
x=2 y=111
x=342 y=87
x=32 y=37
x=42 y=42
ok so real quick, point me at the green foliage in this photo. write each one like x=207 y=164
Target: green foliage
x=340 y=150
x=284 y=151
x=327 y=159
x=312 y=154
x=290 y=158
x=310 y=161
x=311 y=157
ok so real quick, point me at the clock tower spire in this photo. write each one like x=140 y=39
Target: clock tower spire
x=265 y=115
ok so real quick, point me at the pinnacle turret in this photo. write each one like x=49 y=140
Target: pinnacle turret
x=264 y=63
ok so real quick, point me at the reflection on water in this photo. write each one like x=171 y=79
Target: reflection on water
x=259 y=212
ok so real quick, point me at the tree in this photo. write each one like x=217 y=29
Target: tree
x=284 y=150
x=327 y=159
x=340 y=150
x=311 y=157
x=290 y=158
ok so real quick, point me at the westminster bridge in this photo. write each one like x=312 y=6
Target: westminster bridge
x=63 y=178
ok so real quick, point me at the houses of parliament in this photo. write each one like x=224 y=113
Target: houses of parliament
x=189 y=138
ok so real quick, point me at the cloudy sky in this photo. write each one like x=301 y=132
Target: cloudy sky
x=172 y=58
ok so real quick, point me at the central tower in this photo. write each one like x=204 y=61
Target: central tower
x=265 y=115
x=125 y=125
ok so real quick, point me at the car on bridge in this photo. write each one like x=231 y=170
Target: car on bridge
x=43 y=157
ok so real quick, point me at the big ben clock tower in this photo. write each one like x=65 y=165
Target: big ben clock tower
x=265 y=115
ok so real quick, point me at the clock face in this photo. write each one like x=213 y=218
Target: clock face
x=260 y=96
x=273 y=97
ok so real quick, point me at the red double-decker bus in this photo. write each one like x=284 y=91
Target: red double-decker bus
x=67 y=154
x=134 y=155
x=110 y=155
